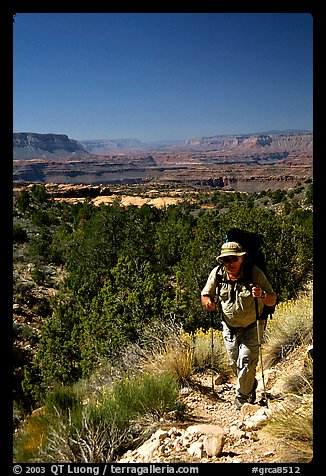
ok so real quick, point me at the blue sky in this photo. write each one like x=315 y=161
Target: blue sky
x=162 y=76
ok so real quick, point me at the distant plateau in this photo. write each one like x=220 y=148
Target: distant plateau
x=234 y=162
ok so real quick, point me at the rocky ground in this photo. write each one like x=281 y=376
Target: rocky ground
x=213 y=431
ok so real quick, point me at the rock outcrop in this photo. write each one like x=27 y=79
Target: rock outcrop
x=30 y=145
x=281 y=141
x=201 y=442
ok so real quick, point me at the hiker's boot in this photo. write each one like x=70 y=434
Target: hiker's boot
x=252 y=399
x=238 y=402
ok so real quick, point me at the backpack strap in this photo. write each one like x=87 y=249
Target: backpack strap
x=267 y=311
x=248 y=273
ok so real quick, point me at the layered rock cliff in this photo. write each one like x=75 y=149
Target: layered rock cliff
x=281 y=141
x=30 y=145
x=243 y=163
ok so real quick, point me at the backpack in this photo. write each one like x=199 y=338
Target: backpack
x=253 y=244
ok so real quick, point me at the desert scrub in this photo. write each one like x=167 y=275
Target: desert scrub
x=288 y=335
x=75 y=429
x=147 y=395
x=290 y=327
x=162 y=348
x=292 y=418
x=208 y=352
x=175 y=357
x=29 y=440
x=293 y=423
x=63 y=408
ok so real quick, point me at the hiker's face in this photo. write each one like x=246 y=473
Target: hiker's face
x=233 y=263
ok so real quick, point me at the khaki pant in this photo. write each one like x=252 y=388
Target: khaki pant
x=242 y=347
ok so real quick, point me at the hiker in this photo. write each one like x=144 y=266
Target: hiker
x=235 y=298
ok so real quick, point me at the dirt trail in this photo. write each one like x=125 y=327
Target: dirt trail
x=242 y=443
x=246 y=440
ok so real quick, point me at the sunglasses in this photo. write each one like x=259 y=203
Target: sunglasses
x=229 y=259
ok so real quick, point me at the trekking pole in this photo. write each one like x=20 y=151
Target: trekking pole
x=263 y=400
x=212 y=352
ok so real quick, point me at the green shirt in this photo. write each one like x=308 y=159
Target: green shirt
x=237 y=302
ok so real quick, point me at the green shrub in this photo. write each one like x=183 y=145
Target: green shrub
x=23 y=201
x=38 y=276
x=19 y=234
x=65 y=399
x=39 y=193
x=146 y=395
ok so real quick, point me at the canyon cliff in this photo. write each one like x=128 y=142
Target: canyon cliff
x=245 y=163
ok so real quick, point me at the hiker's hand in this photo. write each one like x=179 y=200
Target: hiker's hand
x=256 y=291
x=208 y=303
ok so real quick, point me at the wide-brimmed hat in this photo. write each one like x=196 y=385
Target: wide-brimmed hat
x=231 y=249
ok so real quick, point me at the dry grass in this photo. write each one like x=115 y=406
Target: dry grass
x=290 y=327
x=176 y=357
x=292 y=422
x=31 y=438
x=287 y=339
x=300 y=381
x=87 y=443
x=210 y=352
